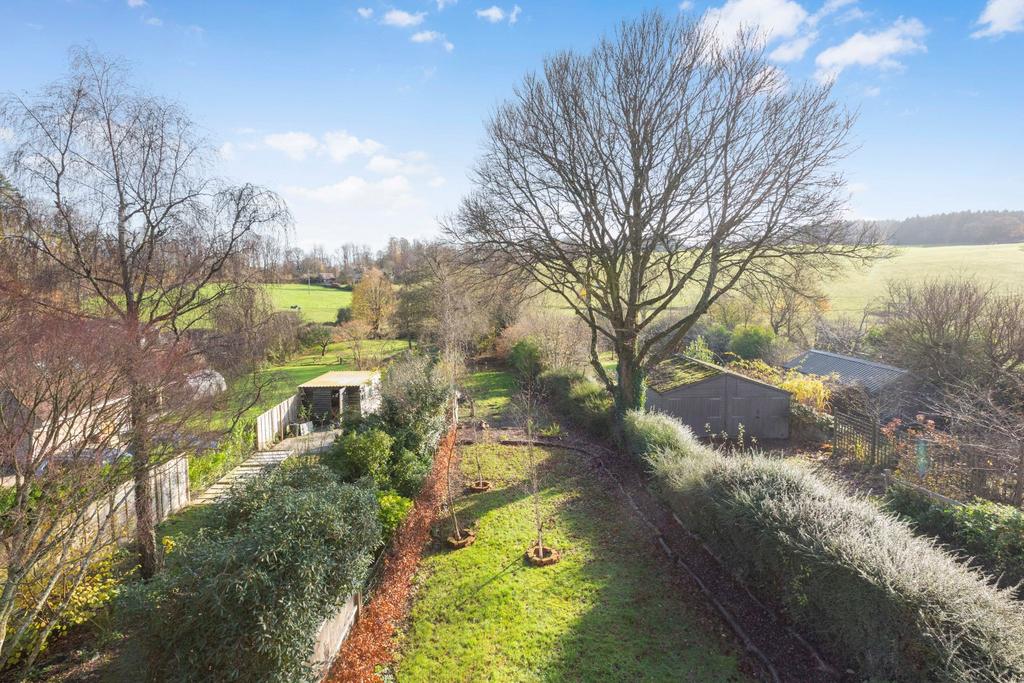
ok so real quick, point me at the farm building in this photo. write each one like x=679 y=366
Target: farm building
x=708 y=397
x=871 y=388
x=341 y=395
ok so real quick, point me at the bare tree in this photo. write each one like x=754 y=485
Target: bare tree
x=62 y=410
x=660 y=169
x=148 y=239
x=792 y=300
x=952 y=331
x=373 y=301
x=354 y=334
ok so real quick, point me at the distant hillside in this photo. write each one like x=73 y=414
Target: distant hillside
x=961 y=227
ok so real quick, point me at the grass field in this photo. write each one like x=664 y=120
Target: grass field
x=317 y=304
x=609 y=610
x=1000 y=264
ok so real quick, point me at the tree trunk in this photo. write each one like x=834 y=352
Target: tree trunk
x=145 y=516
x=630 y=390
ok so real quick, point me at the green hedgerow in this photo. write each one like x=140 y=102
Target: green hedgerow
x=359 y=454
x=246 y=598
x=990 y=534
x=653 y=432
x=889 y=603
x=584 y=401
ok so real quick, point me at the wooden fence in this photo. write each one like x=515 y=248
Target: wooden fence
x=940 y=465
x=271 y=425
x=114 y=517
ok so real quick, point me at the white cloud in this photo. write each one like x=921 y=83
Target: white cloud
x=364 y=12
x=296 y=145
x=154 y=21
x=495 y=14
x=686 y=6
x=432 y=37
x=402 y=19
x=6 y=134
x=795 y=49
x=136 y=3
x=879 y=49
x=772 y=18
x=412 y=163
x=340 y=145
x=227 y=151
x=999 y=17
x=358 y=192
x=872 y=91
x=425 y=36
x=437 y=181
x=441 y=4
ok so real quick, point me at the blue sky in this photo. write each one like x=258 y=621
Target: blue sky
x=367 y=115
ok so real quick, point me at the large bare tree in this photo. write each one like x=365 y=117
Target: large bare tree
x=660 y=169
x=128 y=209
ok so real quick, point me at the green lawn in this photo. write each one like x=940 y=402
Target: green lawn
x=318 y=304
x=491 y=391
x=610 y=610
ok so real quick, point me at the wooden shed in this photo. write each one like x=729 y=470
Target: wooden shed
x=341 y=396
x=708 y=397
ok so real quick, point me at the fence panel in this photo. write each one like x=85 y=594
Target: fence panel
x=271 y=425
x=115 y=516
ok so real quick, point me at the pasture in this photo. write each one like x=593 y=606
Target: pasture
x=1000 y=264
x=318 y=304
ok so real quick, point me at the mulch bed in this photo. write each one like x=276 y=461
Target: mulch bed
x=370 y=645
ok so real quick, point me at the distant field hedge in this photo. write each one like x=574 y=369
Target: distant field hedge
x=891 y=605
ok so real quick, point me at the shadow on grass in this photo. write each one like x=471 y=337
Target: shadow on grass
x=609 y=610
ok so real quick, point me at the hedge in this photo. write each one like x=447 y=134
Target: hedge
x=244 y=599
x=889 y=604
x=991 y=535
x=582 y=400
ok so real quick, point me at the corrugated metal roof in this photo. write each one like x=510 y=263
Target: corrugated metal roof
x=873 y=377
x=340 y=378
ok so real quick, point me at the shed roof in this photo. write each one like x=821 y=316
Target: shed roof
x=850 y=370
x=340 y=378
x=680 y=371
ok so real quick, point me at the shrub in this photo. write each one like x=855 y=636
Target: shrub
x=410 y=469
x=525 y=358
x=698 y=349
x=653 y=432
x=359 y=454
x=751 y=341
x=245 y=599
x=393 y=511
x=208 y=467
x=992 y=535
x=343 y=315
x=890 y=604
x=584 y=401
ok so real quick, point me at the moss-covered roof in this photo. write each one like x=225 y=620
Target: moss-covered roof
x=679 y=371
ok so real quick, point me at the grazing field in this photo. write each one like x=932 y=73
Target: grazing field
x=1000 y=264
x=318 y=304
x=609 y=610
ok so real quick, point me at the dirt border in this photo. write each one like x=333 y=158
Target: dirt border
x=371 y=644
